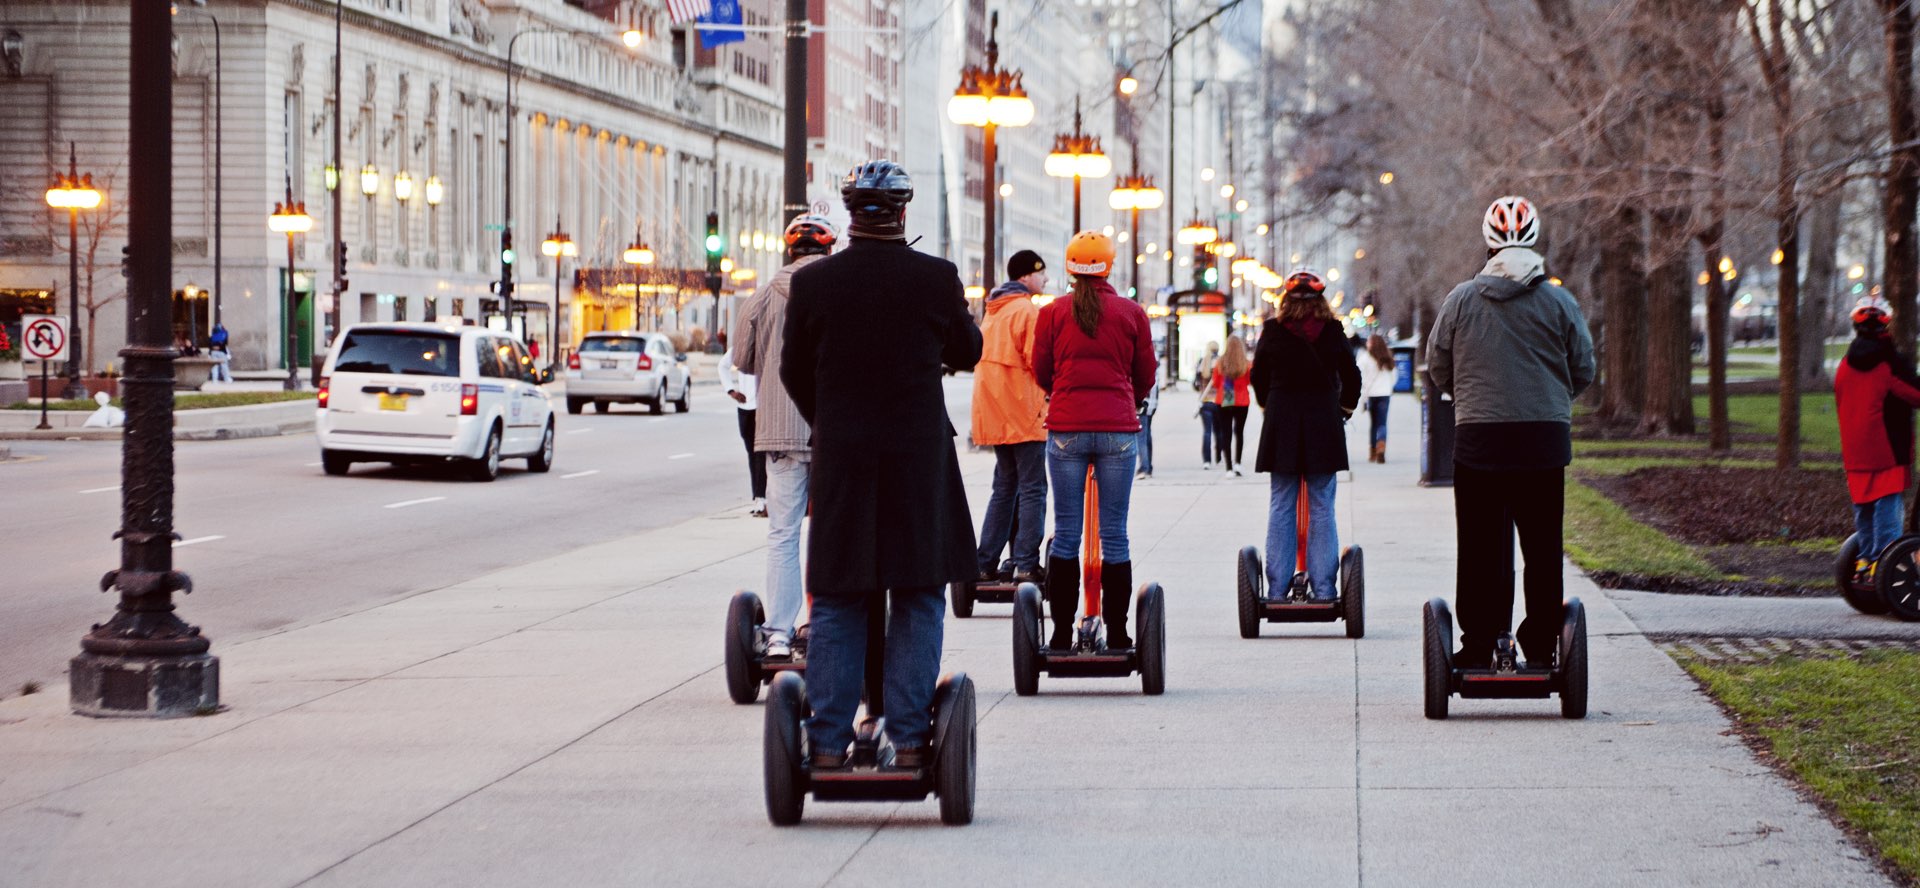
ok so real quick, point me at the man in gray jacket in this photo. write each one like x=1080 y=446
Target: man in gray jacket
x=781 y=433
x=1513 y=350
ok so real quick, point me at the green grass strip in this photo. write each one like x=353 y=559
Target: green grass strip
x=1601 y=536
x=186 y=401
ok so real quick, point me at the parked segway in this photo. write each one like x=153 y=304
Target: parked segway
x=1297 y=604
x=1090 y=657
x=1508 y=678
x=747 y=664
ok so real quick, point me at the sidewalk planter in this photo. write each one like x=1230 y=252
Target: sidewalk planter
x=190 y=372
x=13 y=370
x=93 y=384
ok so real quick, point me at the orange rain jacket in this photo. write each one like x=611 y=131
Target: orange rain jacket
x=1008 y=405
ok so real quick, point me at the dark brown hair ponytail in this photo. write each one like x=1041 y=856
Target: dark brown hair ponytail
x=1086 y=304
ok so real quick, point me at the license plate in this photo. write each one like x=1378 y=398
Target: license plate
x=609 y=365
x=392 y=402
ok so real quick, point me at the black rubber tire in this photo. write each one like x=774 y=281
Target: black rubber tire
x=962 y=595
x=1897 y=579
x=685 y=402
x=335 y=462
x=1248 y=577
x=542 y=460
x=1436 y=638
x=1026 y=640
x=782 y=753
x=603 y=406
x=744 y=616
x=955 y=754
x=658 y=404
x=1866 y=601
x=574 y=405
x=1353 y=591
x=1151 y=643
x=487 y=467
x=1573 y=661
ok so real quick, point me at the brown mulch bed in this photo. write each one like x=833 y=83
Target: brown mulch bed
x=1716 y=505
x=1701 y=452
x=1607 y=579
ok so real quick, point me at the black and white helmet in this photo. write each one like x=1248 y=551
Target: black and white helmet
x=1510 y=222
x=875 y=186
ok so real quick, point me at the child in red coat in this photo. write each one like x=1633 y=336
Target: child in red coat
x=1875 y=391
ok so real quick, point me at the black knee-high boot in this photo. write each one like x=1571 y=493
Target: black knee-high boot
x=1063 y=587
x=1116 y=587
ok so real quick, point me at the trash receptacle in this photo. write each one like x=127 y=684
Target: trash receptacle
x=1402 y=368
x=1436 y=434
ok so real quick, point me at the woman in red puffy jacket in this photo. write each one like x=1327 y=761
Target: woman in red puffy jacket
x=1875 y=391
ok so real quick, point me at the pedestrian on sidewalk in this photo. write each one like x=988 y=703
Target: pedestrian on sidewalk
x=1228 y=391
x=222 y=358
x=1874 y=393
x=1202 y=375
x=743 y=389
x=1147 y=409
x=1377 y=376
x=1307 y=384
x=1009 y=415
x=781 y=436
x=1513 y=350
x=1093 y=353
x=867 y=332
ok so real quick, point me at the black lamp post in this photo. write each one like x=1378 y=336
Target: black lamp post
x=73 y=194
x=990 y=97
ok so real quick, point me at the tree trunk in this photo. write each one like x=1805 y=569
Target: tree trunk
x=1787 y=217
x=1820 y=296
x=1623 y=300
x=1903 y=173
x=1719 y=434
x=1667 y=408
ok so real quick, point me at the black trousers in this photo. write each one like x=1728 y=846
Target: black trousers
x=1488 y=508
x=1230 y=435
x=756 y=460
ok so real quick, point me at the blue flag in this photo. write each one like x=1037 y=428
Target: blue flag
x=724 y=12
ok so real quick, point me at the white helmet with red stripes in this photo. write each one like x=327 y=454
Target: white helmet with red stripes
x=1510 y=222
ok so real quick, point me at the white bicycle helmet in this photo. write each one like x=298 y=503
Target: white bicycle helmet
x=1510 y=222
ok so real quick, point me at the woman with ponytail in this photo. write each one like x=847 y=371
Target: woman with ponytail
x=1093 y=354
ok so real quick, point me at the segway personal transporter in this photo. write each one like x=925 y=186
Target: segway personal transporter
x=747 y=664
x=870 y=775
x=1000 y=590
x=1507 y=678
x=1090 y=657
x=1895 y=587
x=1297 y=604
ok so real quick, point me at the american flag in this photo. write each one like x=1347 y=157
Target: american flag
x=687 y=10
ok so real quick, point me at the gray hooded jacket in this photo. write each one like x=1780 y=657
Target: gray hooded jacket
x=1509 y=351
x=757 y=334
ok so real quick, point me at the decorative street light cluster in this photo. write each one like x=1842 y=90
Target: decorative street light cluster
x=290 y=218
x=1077 y=155
x=990 y=97
x=1134 y=193
x=73 y=193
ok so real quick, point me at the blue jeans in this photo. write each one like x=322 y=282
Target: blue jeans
x=1209 y=413
x=1877 y=523
x=787 y=472
x=1146 y=443
x=1377 y=412
x=1019 y=487
x=837 y=661
x=1111 y=456
x=1283 y=536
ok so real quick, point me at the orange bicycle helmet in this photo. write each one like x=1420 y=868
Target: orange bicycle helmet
x=1090 y=254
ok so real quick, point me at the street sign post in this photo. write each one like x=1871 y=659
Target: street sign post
x=44 y=339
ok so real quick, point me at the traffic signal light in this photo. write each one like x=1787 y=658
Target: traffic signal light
x=714 y=245
x=340 y=265
x=506 y=248
x=1211 y=276
x=126 y=261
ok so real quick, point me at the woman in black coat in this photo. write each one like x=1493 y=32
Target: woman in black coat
x=1307 y=384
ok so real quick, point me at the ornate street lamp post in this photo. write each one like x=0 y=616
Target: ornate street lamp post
x=290 y=218
x=557 y=246
x=73 y=193
x=1134 y=193
x=990 y=97
x=1077 y=155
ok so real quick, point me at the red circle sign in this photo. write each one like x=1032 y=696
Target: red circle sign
x=44 y=339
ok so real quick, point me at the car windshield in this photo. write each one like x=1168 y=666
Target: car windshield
x=622 y=344
x=393 y=351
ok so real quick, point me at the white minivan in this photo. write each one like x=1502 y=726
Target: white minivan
x=420 y=393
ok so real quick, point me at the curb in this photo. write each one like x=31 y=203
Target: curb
x=222 y=433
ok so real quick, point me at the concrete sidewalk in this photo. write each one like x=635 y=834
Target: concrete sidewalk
x=565 y=723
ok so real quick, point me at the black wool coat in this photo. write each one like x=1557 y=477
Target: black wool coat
x=1306 y=390
x=867 y=331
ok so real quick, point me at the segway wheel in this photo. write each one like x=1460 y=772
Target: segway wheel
x=1151 y=645
x=1249 y=591
x=1573 y=661
x=785 y=776
x=962 y=595
x=1866 y=601
x=1026 y=640
x=1437 y=637
x=744 y=616
x=1353 y=591
x=958 y=741
x=1898 y=578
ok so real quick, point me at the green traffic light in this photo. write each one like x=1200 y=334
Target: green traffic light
x=1211 y=276
x=713 y=244
x=506 y=256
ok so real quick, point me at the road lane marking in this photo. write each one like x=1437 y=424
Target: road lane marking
x=101 y=489
x=681 y=456
x=578 y=431
x=311 y=465
x=580 y=474
x=413 y=502
x=205 y=539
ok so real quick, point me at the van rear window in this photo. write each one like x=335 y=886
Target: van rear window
x=390 y=351
x=617 y=344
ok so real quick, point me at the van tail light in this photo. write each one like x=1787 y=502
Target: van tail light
x=643 y=363
x=469 y=399
x=325 y=389
x=573 y=361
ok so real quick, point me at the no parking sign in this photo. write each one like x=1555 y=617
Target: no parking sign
x=44 y=337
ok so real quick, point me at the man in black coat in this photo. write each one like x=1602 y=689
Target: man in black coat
x=868 y=330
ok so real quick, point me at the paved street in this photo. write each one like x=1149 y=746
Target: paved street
x=270 y=541
x=563 y=720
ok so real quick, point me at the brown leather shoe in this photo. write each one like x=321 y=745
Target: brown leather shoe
x=914 y=757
